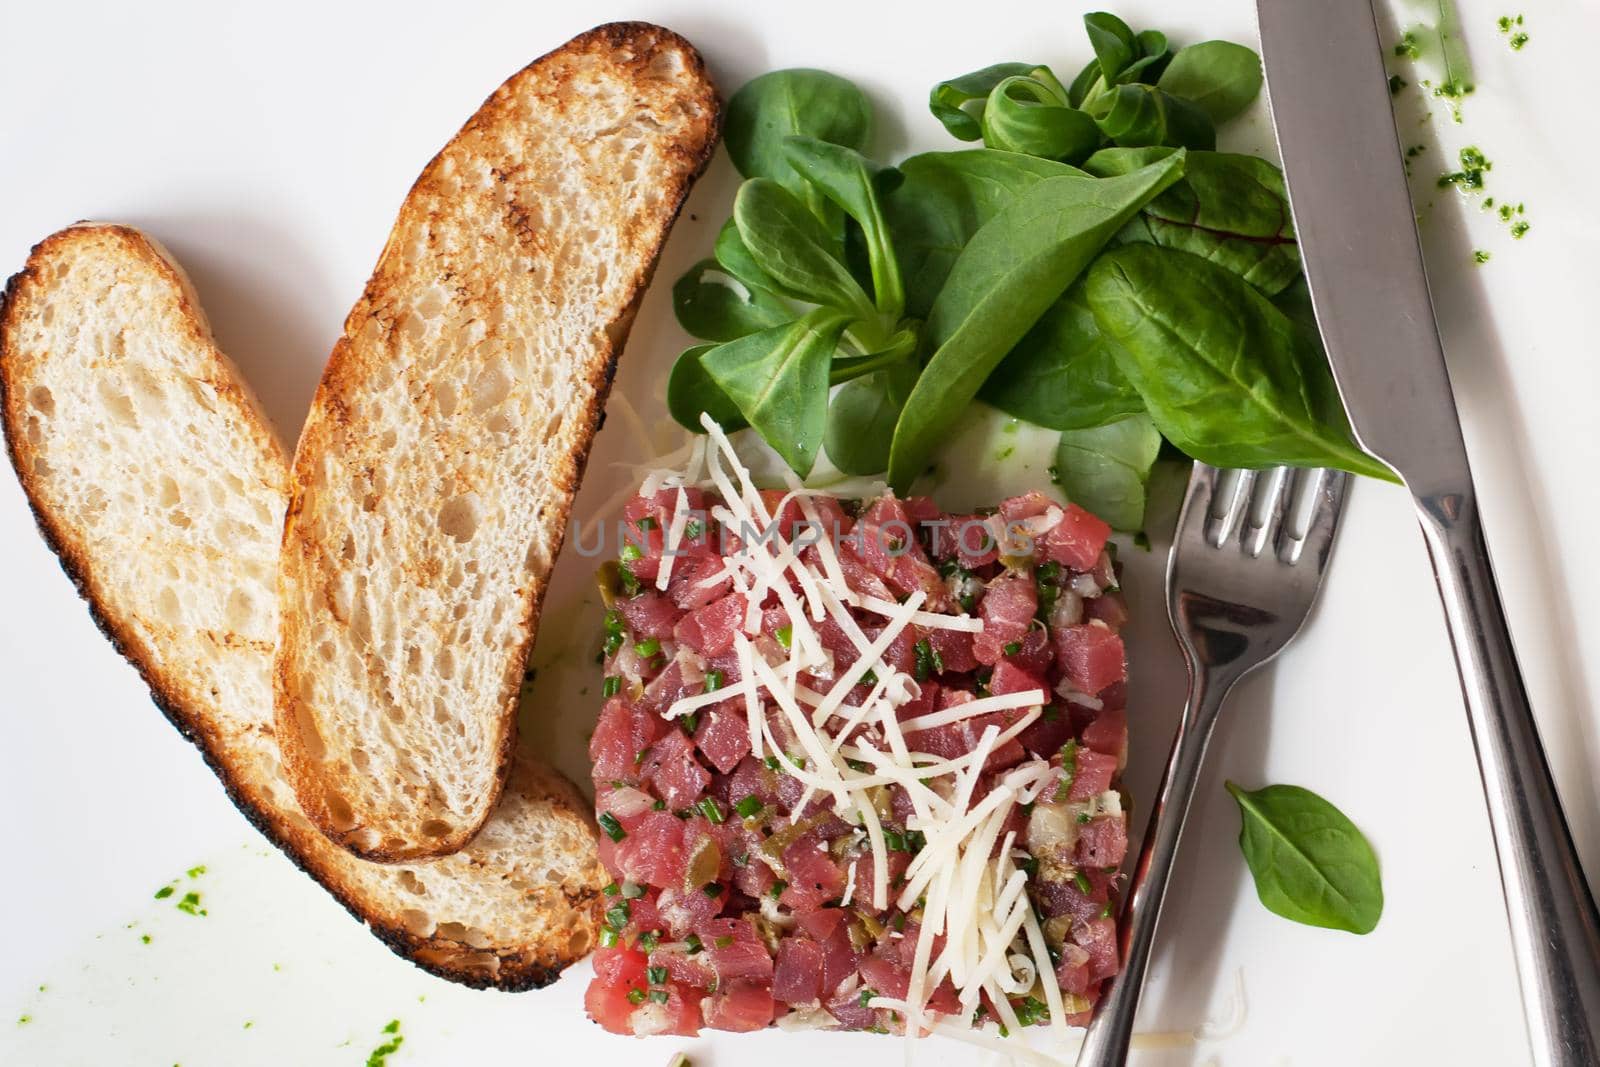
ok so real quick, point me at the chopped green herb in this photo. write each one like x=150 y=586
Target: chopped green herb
x=1069 y=770
x=635 y=996
x=1407 y=47
x=692 y=943
x=869 y=679
x=196 y=871
x=608 y=822
x=608 y=938
x=1480 y=256
x=777 y=888
x=1519 y=228
x=618 y=914
x=1030 y=1010
x=649 y=647
x=1469 y=179
x=612 y=889
x=714 y=680
x=611 y=686
x=771 y=762
x=1396 y=83
x=647 y=523
x=723 y=942
x=660 y=996
x=1011 y=648
x=649 y=940
x=659 y=805
x=749 y=807
x=688 y=723
x=929 y=661
x=190 y=904
x=164 y=892
x=656 y=975
x=1081 y=880
x=380 y=1055
x=866 y=995
x=693 y=529
x=631 y=552
x=785 y=635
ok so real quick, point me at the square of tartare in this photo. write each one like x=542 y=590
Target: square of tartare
x=857 y=765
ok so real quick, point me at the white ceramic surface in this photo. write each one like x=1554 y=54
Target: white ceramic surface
x=269 y=148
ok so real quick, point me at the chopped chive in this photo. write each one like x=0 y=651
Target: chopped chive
x=612 y=890
x=650 y=646
x=712 y=890
x=631 y=552
x=777 y=888
x=708 y=808
x=771 y=762
x=785 y=635
x=1082 y=882
x=649 y=940
x=924 y=664
x=608 y=822
x=608 y=938
x=646 y=523
x=656 y=975
x=660 y=996
x=1012 y=648
x=869 y=678
x=659 y=805
x=635 y=996
x=693 y=529
x=714 y=680
x=867 y=994
x=1069 y=769
x=894 y=839
x=618 y=914
x=611 y=686
x=692 y=942
x=749 y=807
x=688 y=723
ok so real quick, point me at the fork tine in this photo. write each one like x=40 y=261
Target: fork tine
x=1275 y=502
x=1235 y=508
x=1327 y=488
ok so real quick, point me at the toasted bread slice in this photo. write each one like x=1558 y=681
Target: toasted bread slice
x=159 y=484
x=435 y=472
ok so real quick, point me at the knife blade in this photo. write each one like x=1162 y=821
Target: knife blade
x=1329 y=98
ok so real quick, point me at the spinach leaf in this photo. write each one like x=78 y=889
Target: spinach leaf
x=1105 y=468
x=851 y=181
x=1010 y=272
x=1026 y=114
x=944 y=199
x=1138 y=116
x=1114 y=42
x=1232 y=210
x=861 y=419
x=1309 y=861
x=732 y=256
x=690 y=391
x=718 y=307
x=788 y=244
x=1219 y=77
x=1063 y=375
x=812 y=103
x=1295 y=302
x=1226 y=376
x=778 y=379
x=1110 y=162
x=958 y=103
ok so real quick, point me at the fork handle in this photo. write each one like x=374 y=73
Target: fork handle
x=1555 y=933
x=1110 y=1031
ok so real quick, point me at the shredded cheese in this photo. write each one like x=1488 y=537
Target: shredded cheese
x=965 y=879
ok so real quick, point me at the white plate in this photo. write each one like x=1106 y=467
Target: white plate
x=269 y=149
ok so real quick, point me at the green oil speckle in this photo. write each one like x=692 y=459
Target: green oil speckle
x=164 y=892
x=1480 y=256
x=24 y=1020
x=190 y=904
x=1511 y=28
x=1408 y=47
x=196 y=871
x=144 y=938
x=1519 y=228
x=1474 y=166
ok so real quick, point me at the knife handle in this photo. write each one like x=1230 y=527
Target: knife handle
x=1555 y=932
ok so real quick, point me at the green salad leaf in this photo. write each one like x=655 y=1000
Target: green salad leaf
x=851 y=181
x=1063 y=374
x=785 y=103
x=861 y=419
x=690 y=391
x=778 y=380
x=958 y=103
x=789 y=246
x=1011 y=271
x=1219 y=77
x=1105 y=469
x=716 y=306
x=1309 y=861
x=1228 y=378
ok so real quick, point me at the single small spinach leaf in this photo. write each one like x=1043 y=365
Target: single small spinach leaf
x=788 y=244
x=851 y=181
x=1295 y=301
x=1063 y=375
x=861 y=419
x=1232 y=210
x=1011 y=271
x=1154 y=55
x=1310 y=863
x=1226 y=376
x=732 y=256
x=781 y=103
x=1026 y=115
x=1110 y=162
x=944 y=199
x=690 y=391
x=1105 y=469
x=714 y=306
x=958 y=103
x=778 y=379
x=1138 y=116
x=1115 y=44
x=1219 y=77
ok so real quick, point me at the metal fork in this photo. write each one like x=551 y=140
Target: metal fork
x=1241 y=580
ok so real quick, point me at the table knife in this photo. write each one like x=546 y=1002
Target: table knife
x=1330 y=103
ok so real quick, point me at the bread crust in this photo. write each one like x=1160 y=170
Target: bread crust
x=239 y=758
x=348 y=375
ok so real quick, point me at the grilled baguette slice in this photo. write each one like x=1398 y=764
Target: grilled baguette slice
x=161 y=487
x=434 y=476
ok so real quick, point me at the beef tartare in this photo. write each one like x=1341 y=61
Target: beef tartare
x=857 y=762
